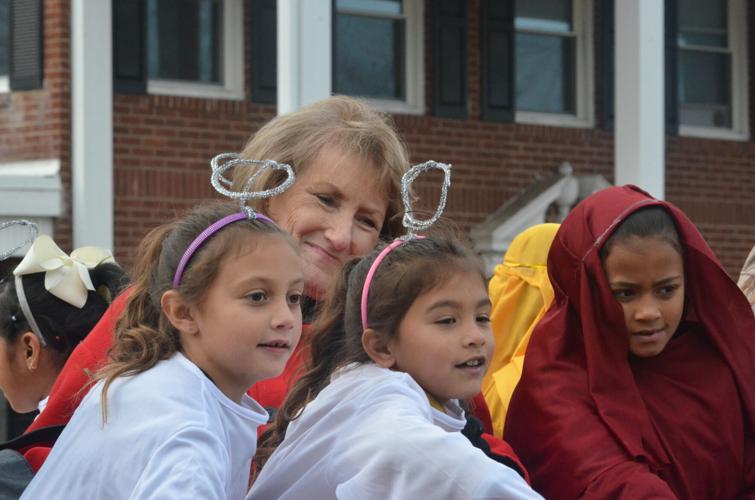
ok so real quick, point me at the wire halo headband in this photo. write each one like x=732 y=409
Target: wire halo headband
x=20 y=294
x=220 y=183
x=411 y=224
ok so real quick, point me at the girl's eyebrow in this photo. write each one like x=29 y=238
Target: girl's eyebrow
x=659 y=282
x=668 y=280
x=456 y=304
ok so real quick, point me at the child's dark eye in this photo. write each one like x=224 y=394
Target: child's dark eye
x=257 y=297
x=668 y=291
x=483 y=318
x=446 y=321
x=294 y=299
x=623 y=295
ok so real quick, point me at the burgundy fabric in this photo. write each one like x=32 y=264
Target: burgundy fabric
x=588 y=419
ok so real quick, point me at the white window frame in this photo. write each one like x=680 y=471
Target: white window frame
x=582 y=15
x=740 y=129
x=232 y=64
x=414 y=63
x=5 y=78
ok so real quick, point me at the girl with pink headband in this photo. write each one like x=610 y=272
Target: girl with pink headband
x=401 y=339
x=215 y=308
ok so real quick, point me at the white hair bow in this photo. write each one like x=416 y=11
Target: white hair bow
x=66 y=277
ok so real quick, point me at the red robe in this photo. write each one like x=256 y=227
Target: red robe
x=590 y=420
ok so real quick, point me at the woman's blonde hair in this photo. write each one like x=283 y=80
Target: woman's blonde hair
x=338 y=122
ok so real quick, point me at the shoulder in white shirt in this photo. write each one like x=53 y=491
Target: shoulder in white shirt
x=170 y=433
x=372 y=434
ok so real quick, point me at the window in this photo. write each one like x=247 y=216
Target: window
x=553 y=62
x=4 y=44
x=711 y=72
x=195 y=48
x=377 y=52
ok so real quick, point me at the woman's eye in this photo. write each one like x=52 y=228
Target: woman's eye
x=326 y=200
x=368 y=223
x=294 y=299
x=256 y=297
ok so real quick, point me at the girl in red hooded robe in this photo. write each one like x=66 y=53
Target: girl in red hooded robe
x=639 y=382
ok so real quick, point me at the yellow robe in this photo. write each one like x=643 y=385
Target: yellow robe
x=520 y=293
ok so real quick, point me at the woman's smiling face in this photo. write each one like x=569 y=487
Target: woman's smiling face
x=335 y=210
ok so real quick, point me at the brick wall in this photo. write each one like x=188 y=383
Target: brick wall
x=36 y=124
x=162 y=146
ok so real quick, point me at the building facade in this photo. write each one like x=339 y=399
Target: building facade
x=506 y=91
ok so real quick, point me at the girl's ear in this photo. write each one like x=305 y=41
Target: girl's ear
x=378 y=349
x=28 y=349
x=178 y=312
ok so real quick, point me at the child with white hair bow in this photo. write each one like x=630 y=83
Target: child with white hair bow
x=47 y=307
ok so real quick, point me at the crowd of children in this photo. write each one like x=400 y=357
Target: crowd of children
x=613 y=354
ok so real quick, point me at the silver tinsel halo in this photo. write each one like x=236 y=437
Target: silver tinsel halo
x=411 y=224
x=33 y=232
x=225 y=161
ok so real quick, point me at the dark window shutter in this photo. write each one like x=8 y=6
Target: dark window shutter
x=264 y=51
x=130 y=46
x=606 y=63
x=497 y=60
x=25 y=68
x=449 y=18
x=671 y=76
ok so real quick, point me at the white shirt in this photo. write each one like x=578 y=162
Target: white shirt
x=171 y=433
x=372 y=434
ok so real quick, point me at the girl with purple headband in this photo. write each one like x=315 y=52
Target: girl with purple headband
x=404 y=335
x=215 y=308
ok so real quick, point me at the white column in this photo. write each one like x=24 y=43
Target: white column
x=639 y=95
x=304 y=52
x=92 y=122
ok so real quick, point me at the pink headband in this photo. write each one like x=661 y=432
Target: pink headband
x=206 y=234
x=371 y=273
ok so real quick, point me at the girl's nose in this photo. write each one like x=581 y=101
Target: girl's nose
x=474 y=336
x=647 y=310
x=284 y=317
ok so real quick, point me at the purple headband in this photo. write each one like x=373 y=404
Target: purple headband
x=409 y=222
x=206 y=234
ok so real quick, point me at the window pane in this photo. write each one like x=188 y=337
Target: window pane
x=705 y=88
x=184 y=40
x=703 y=22
x=369 y=57
x=547 y=15
x=371 y=6
x=545 y=77
x=4 y=36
